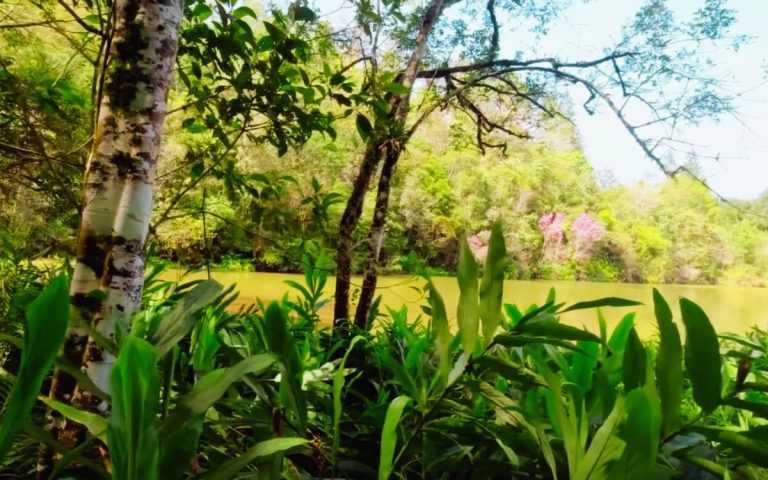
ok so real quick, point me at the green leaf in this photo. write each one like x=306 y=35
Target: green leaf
x=338 y=385
x=280 y=342
x=602 y=302
x=229 y=469
x=605 y=449
x=641 y=434
x=440 y=332
x=635 y=362
x=513 y=340
x=241 y=12
x=276 y=33
x=492 y=284
x=180 y=431
x=202 y=11
x=94 y=423
x=304 y=14
x=556 y=330
x=397 y=88
x=669 y=365
x=702 y=356
x=759 y=409
x=509 y=370
x=44 y=334
x=467 y=312
x=389 y=435
x=177 y=323
x=364 y=127
x=751 y=449
x=132 y=433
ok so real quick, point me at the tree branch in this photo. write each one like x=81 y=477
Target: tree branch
x=79 y=20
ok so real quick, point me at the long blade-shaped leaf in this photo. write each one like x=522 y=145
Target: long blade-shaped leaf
x=669 y=365
x=751 y=449
x=132 y=433
x=440 y=332
x=94 y=423
x=44 y=334
x=229 y=469
x=492 y=284
x=602 y=302
x=641 y=434
x=635 y=362
x=338 y=385
x=468 y=310
x=557 y=330
x=605 y=448
x=280 y=342
x=180 y=320
x=389 y=435
x=702 y=356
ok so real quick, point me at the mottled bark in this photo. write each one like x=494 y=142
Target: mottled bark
x=118 y=195
x=399 y=106
x=347 y=226
x=376 y=236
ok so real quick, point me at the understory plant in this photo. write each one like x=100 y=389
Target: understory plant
x=504 y=391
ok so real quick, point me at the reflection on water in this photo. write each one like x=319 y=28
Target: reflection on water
x=732 y=309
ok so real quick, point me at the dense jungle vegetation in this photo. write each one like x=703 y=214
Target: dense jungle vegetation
x=380 y=136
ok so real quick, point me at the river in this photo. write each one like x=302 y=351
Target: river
x=730 y=308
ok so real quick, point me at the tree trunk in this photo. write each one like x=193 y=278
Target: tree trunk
x=347 y=226
x=399 y=107
x=376 y=237
x=118 y=195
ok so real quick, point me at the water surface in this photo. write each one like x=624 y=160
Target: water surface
x=730 y=308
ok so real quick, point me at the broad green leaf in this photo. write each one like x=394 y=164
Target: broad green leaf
x=364 y=127
x=44 y=333
x=702 y=356
x=492 y=284
x=641 y=434
x=132 y=433
x=534 y=314
x=635 y=362
x=467 y=312
x=584 y=364
x=556 y=330
x=602 y=302
x=276 y=33
x=669 y=365
x=94 y=423
x=229 y=469
x=179 y=321
x=389 y=435
x=280 y=342
x=338 y=385
x=440 y=332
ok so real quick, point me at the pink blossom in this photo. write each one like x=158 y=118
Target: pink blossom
x=586 y=233
x=479 y=247
x=551 y=226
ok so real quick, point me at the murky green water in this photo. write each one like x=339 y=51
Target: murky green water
x=731 y=309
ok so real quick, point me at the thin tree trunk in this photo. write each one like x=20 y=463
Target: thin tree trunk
x=399 y=108
x=376 y=237
x=347 y=226
x=118 y=196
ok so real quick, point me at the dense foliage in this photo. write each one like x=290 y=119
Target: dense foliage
x=513 y=393
x=262 y=208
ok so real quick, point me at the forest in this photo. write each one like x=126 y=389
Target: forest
x=347 y=141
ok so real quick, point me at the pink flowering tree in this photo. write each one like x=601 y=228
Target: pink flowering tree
x=551 y=227
x=586 y=233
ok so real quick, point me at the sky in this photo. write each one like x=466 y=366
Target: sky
x=739 y=142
